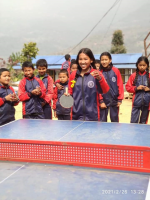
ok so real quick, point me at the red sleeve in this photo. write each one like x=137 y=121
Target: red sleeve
x=103 y=84
x=1 y=101
x=49 y=93
x=101 y=98
x=22 y=93
x=55 y=98
x=72 y=77
x=43 y=89
x=17 y=102
x=58 y=81
x=119 y=83
x=130 y=87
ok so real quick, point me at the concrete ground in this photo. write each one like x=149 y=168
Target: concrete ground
x=124 y=112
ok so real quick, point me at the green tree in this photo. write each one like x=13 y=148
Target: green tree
x=13 y=60
x=117 y=44
x=29 y=52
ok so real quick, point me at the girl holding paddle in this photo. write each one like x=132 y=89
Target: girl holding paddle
x=85 y=84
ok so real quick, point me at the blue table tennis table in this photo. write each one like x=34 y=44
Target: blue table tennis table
x=76 y=143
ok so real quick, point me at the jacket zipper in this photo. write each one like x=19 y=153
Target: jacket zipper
x=83 y=99
x=109 y=90
x=142 y=93
x=10 y=102
x=33 y=98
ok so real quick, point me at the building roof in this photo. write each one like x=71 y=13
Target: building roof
x=119 y=60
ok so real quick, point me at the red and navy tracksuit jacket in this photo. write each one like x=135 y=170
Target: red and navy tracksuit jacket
x=56 y=104
x=31 y=103
x=116 y=92
x=86 y=95
x=48 y=83
x=141 y=98
x=7 y=110
x=66 y=65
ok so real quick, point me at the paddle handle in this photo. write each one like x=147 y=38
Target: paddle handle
x=66 y=90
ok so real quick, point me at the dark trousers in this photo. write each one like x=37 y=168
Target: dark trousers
x=33 y=116
x=135 y=115
x=114 y=112
x=63 y=117
x=47 y=112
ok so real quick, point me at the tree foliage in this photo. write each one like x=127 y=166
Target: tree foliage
x=117 y=44
x=29 y=52
x=13 y=60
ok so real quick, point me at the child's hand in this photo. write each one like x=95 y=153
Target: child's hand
x=8 y=97
x=14 y=97
x=36 y=91
x=140 y=87
x=55 y=115
x=96 y=75
x=60 y=87
x=118 y=104
x=146 y=89
x=103 y=106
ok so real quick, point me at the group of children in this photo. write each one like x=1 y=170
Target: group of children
x=95 y=85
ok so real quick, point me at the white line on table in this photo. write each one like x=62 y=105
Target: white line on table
x=148 y=191
x=70 y=131
x=12 y=174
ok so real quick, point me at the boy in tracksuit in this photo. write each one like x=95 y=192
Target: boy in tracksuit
x=60 y=112
x=48 y=82
x=113 y=99
x=31 y=92
x=8 y=98
x=66 y=64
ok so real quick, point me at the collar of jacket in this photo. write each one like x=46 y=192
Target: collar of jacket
x=79 y=72
x=106 y=69
x=142 y=74
x=45 y=76
x=66 y=83
x=30 y=79
x=4 y=86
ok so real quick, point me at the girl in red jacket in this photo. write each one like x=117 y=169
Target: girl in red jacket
x=139 y=85
x=113 y=99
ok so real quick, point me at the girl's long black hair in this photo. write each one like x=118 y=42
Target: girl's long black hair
x=109 y=56
x=142 y=58
x=87 y=52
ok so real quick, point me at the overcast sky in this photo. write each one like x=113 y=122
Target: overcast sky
x=59 y=21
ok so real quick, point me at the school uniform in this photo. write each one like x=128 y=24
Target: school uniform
x=66 y=65
x=62 y=113
x=140 y=100
x=115 y=94
x=48 y=83
x=31 y=104
x=86 y=95
x=7 y=110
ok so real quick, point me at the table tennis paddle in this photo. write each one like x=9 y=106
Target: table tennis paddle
x=66 y=101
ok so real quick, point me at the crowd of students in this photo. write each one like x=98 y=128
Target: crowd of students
x=95 y=85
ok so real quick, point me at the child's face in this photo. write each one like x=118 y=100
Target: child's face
x=105 y=61
x=63 y=77
x=5 y=78
x=84 y=61
x=74 y=67
x=41 y=70
x=97 y=65
x=28 y=72
x=142 y=66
